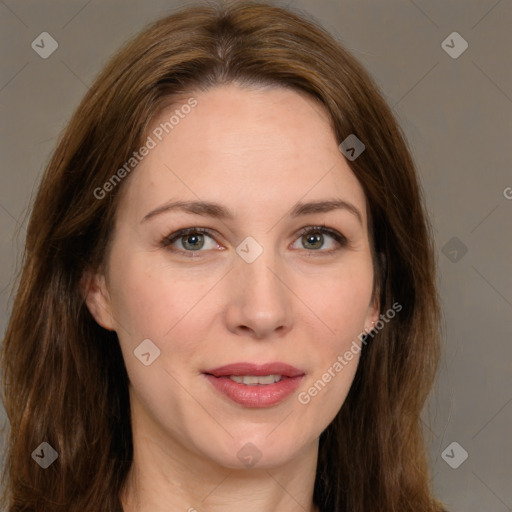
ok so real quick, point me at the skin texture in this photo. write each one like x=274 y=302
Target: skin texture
x=256 y=152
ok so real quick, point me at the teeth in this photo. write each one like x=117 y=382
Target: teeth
x=252 y=380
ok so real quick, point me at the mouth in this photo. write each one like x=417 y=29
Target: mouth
x=253 y=385
x=255 y=380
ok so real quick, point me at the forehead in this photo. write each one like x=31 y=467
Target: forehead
x=246 y=148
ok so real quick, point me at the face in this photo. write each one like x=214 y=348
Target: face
x=261 y=281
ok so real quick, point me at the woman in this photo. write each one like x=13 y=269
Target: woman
x=227 y=297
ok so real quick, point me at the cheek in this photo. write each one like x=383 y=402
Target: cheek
x=342 y=299
x=342 y=305
x=151 y=299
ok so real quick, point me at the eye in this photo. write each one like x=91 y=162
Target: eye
x=313 y=239
x=191 y=240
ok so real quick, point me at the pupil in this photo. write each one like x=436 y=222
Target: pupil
x=193 y=245
x=315 y=238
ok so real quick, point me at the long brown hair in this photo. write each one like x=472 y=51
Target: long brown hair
x=64 y=379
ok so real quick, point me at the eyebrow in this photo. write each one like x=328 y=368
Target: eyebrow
x=209 y=209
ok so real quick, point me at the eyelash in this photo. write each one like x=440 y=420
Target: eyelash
x=338 y=237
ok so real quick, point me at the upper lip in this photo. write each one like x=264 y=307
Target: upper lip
x=257 y=370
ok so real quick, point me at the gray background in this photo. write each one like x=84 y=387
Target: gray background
x=457 y=116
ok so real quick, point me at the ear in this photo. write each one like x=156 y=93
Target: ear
x=372 y=316
x=96 y=296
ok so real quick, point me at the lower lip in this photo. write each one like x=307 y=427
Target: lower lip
x=265 y=395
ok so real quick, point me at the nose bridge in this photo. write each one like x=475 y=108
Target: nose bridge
x=257 y=272
x=261 y=301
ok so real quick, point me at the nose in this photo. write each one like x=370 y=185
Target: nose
x=260 y=302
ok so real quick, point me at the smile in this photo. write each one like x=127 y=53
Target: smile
x=253 y=385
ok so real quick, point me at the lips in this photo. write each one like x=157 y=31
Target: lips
x=255 y=394
x=283 y=369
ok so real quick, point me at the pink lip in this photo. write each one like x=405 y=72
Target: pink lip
x=258 y=395
x=256 y=370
